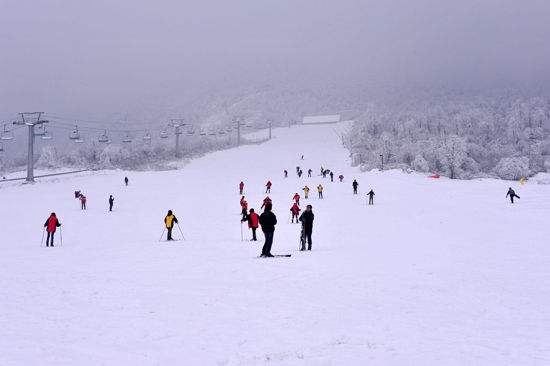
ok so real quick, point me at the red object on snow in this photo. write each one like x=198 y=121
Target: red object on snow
x=435 y=176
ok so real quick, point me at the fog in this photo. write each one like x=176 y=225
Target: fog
x=103 y=59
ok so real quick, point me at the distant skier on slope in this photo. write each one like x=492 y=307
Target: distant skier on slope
x=253 y=221
x=285 y=173
x=244 y=208
x=371 y=197
x=309 y=171
x=241 y=188
x=82 y=202
x=51 y=225
x=341 y=177
x=76 y=194
x=295 y=210
x=126 y=181
x=331 y=176
x=268 y=220
x=512 y=194
x=306 y=192
x=355 y=185
x=296 y=198
x=267 y=202
x=307 y=225
x=169 y=222
x=111 y=202
x=268 y=187
x=300 y=173
x=320 y=191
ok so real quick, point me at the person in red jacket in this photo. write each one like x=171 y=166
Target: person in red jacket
x=241 y=188
x=296 y=198
x=51 y=224
x=268 y=187
x=267 y=202
x=295 y=212
x=244 y=208
x=253 y=222
x=83 y=201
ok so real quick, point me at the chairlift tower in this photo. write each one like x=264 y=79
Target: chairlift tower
x=30 y=119
x=177 y=123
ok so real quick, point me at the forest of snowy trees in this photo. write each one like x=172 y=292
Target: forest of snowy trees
x=460 y=137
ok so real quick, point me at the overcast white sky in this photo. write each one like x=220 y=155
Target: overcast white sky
x=99 y=57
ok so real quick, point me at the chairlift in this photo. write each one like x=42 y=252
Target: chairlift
x=221 y=131
x=127 y=139
x=147 y=137
x=46 y=135
x=229 y=129
x=202 y=132
x=163 y=134
x=103 y=138
x=75 y=135
x=249 y=124
x=191 y=130
x=211 y=132
x=6 y=134
x=40 y=130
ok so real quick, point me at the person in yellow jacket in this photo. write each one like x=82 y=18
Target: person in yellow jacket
x=320 y=190
x=306 y=192
x=169 y=221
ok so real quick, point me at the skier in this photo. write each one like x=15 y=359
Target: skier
x=325 y=173
x=253 y=220
x=371 y=197
x=341 y=177
x=309 y=172
x=302 y=157
x=268 y=187
x=300 y=173
x=331 y=176
x=306 y=192
x=126 y=181
x=355 y=185
x=169 y=221
x=295 y=212
x=76 y=194
x=297 y=169
x=286 y=173
x=268 y=220
x=111 y=201
x=320 y=191
x=51 y=225
x=296 y=198
x=307 y=226
x=512 y=194
x=241 y=188
x=82 y=202
x=244 y=208
x=267 y=202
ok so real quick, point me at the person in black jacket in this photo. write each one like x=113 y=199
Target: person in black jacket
x=371 y=197
x=126 y=180
x=268 y=220
x=111 y=202
x=512 y=194
x=307 y=224
x=355 y=185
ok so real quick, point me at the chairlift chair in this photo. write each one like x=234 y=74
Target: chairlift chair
x=127 y=139
x=191 y=130
x=46 y=135
x=6 y=134
x=202 y=132
x=163 y=134
x=75 y=135
x=103 y=138
x=212 y=132
x=147 y=137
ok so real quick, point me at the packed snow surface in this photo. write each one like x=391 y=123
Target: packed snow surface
x=437 y=272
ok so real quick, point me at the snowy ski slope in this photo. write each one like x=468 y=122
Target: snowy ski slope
x=437 y=272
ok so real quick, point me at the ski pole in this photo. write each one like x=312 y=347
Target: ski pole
x=161 y=235
x=181 y=232
x=42 y=240
x=242 y=238
x=60 y=236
